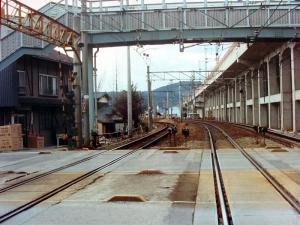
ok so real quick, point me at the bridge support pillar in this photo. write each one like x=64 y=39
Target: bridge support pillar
x=259 y=94
x=225 y=103
x=77 y=90
x=247 y=110
x=87 y=90
x=296 y=84
x=249 y=94
x=286 y=91
x=219 y=104
x=268 y=92
x=242 y=100
x=255 y=99
x=293 y=73
x=274 y=64
x=235 y=101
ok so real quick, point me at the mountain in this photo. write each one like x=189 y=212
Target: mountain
x=160 y=94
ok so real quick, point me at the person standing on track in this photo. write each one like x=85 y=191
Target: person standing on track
x=186 y=133
x=174 y=131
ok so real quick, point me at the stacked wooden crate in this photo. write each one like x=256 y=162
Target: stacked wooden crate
x=11 y=137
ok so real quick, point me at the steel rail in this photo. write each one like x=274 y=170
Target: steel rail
x=223 y=208
x=278 y=137
x=271 y=134
x=127 y=145
x=20 y=183
x=50 y=172
x=63 y=187
x=151 y=142
x=59 y=189
x=292 y=200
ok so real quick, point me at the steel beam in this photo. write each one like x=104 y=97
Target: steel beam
x=27 y=20
x=192 y=36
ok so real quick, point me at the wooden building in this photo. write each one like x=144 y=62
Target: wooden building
x=31 y=94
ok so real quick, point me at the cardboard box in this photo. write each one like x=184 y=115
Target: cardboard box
x=11 y=137
x=11 y=143
x=14 y=130
x=35 y=142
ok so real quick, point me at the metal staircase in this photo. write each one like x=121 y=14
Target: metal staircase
x=14 y=44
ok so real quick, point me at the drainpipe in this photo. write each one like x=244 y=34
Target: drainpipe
x=95 y=87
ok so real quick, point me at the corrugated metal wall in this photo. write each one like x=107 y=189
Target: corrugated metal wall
x=8 y=87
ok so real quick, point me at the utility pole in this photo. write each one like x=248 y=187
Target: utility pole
x=180 y=101
x=206 y=62
x=90 y=89
x=190 y=103
x=129 y=94
x=149 y=99
x=171 y=108
x=167 y=104
x=77 y=91
x=154 y=107
x=193 y=102
x=95 y=91
x=116 y=79
x=203 y=104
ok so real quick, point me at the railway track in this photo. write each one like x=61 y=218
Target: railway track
x=131 y=144
x=286 y=140
x=271 y=179
x=146 y=141
x=271 y=134
x=138 y=144
x=223 y=208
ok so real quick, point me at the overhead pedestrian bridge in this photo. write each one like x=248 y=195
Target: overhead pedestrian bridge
x=161 y=23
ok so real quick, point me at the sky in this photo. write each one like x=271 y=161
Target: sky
x=112 y=61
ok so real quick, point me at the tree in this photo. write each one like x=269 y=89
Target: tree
x=138 y=105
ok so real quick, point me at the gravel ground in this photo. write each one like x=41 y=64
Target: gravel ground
x=196 y=140
x=220 y=141
x=246 y=138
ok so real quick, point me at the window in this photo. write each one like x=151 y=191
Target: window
x=48 y=85
x=22 y=82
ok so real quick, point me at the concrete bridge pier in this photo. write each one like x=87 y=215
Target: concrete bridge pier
x=296 y=86
x=242 y=100
x=255 y=99
x=286 y=91
x=248 y=97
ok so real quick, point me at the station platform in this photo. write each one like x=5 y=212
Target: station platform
x=161 y=187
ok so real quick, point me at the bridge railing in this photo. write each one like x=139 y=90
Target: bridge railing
x=116 y=5
x=194 y=15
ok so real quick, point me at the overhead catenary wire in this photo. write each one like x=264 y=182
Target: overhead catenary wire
x=267 y=21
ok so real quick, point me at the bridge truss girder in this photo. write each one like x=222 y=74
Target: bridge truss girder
x=22 y=18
